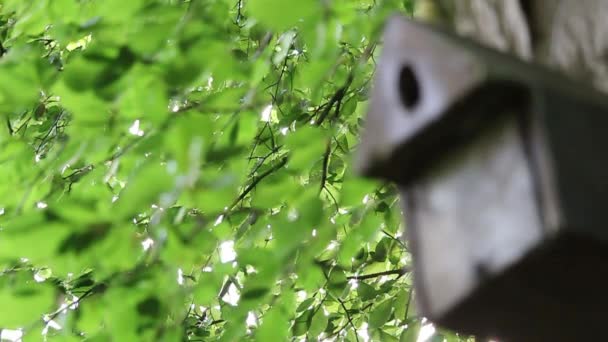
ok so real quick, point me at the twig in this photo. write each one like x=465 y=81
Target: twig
x=94 y=289
x=350 y=320
x=407 y=306
x=239 y=14
x=256 y=180
x=263 y=44
x=400 y=272
x=399 y=241
x=325 y=165
x=336 y=98
x=9 y=126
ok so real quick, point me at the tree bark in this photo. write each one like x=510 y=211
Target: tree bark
x=571 y=36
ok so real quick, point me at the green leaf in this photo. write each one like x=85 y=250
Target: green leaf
x=83 y=73
x=302 y=322
x=143 y=190
x=146 y=96
x=307 y=145
x=280 y=15
x=381 y=314
x=16 y=91
x=116 y=11
x=187 y=138
x=337 y=282
x=305 y=305
x=402 y=304
x=209 y=285
x=354 y=191
x=348 y=248
x=410 y=334
x=25 y=302
x=366 y=291
x=274 y=327
x=39 y=242
x=382 y=248
x=318 y=323
x=385 y=336
x=88 y=108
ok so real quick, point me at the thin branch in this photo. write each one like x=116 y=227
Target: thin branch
x=263 y=44
x=200 y=108
x=225 y=288
x=399 y=272
x=325 y=165
x=333 y=198
x=256 y=180
x=350 y=320
x=9 y=126
x=239 y=14
x=336 y=98
x=399 y=241
x=407 y=306
x=100 y=287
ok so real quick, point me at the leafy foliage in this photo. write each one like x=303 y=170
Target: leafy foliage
x=179 y=170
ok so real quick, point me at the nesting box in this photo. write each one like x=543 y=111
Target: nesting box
x=502 y=166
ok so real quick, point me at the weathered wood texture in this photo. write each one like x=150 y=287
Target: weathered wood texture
x=571 y=36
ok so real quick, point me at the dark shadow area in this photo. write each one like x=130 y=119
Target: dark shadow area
x=556 y=293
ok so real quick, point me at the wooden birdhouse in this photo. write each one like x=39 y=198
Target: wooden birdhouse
x=503 y=170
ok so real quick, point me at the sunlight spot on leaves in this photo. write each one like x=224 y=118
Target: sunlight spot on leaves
x=363 y=333
x=232 y=296
x=42 y=275
x=292 y=215
x=50 y=324
x=11 y=335
x=73 y=303
x=265 y=115
x=147 y=244
x=135 y=130
x=80 y=43
x=332 y=245
x=250 y=269
x=426 y=332
x=227 y=252
x=219 y=220
x=252 y=320
x=180 y=276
